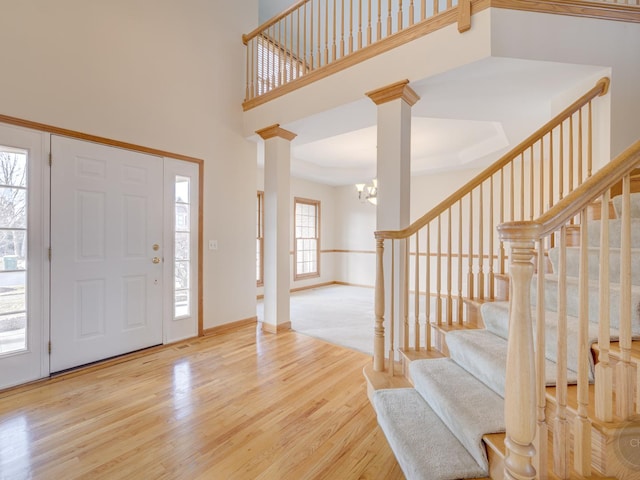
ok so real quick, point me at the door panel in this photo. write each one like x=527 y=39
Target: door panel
x=106 y=290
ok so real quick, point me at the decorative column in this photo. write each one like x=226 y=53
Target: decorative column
x=277 y=167
x=394 y=187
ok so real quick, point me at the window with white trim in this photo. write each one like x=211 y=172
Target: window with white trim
x=307 y=238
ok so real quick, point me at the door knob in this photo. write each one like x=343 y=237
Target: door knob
x=156 y=260
x=156 y=247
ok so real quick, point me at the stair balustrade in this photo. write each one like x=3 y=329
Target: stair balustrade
x=604 y=298
x=456 y=254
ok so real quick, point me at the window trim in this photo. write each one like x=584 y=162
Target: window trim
x=260 y=235
x=316 y=204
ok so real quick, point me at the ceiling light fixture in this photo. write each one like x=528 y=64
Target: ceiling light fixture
x=368 y=192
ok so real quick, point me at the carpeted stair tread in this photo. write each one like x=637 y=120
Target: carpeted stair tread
x=465 y=405
x=484 y=355
x=634 y=202
x=551 y=300
x=423 y=445
x=496 y=318
x=573 y=263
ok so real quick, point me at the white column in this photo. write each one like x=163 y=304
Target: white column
x=394 y=183
x=277 y=162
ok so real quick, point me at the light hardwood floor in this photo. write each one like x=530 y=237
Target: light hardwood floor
x=239 y=405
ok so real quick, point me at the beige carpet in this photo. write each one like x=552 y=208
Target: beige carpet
x=342 y=315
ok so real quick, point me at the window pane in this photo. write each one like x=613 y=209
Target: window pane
x=13 y=332
x=13 y=169
x=182 y=217
x=13 y=249
x=181 y=305
x=182 y=275
x=13 y=207
x=182 y=246
x=182 y=189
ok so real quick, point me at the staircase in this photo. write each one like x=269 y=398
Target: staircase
x=530 y=386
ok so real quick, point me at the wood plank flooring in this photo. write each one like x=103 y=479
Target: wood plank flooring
x=239 y=405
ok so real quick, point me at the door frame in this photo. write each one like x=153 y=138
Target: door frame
x=46 y=131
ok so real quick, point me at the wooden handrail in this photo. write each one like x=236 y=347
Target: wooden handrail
x=576 y=201
x=601 y=88
x=254 y=33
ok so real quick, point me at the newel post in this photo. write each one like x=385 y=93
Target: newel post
x=520 y=392
x=378 y=339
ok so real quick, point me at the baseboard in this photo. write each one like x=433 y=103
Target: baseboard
x=281 y=327
x=229 y=326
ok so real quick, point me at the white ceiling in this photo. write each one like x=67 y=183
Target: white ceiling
x=465 y=118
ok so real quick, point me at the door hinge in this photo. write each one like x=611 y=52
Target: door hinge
x=49 y=347
x=50 y=159
x=49 y=253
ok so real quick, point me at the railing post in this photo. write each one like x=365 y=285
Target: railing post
x=378 y=340
x=520 y=397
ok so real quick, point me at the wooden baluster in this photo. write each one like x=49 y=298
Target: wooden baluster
x=326 y=32
x=379 y=22
x=580 y=148
x=531 y=184
x=449 y=4
x=292 y=60
x=448 y=273
x=298 y=61
x=604 y=372
x=470 y=285
x=541 y=186
x=427 y=301
x=521 y=186
x=282 y=26
x=582 y=426
x=590 y=142
x=624 y=368
x=501 y=253
x=334 y=46
x=400 y=16
x=481 y=244
x=304 y=41
x=319 y=34
x=311 y=37
x=542 y=431
x=389 y=20
x=378 y=342
x=561 y=164
x=392 y=313
x=342 y=29
x=248 y=75
x=416 y=304
x=359 y=24
x=436 y=7
x=369 y=34
x=405 y=297
x=520 y=398
x=551 y=176
x=571 y=165
x=439 y=272
x=492 y=230
x=351 y=26
x=411 y=13
x=512 y=187
x=561 y=429
x=460 y=303
x=423 y=10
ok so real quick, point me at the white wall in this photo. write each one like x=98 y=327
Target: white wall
x=163 y=74
x=582 y=41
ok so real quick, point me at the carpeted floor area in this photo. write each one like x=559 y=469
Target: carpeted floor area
x=340 y=314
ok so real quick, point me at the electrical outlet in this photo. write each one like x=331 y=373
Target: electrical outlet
x=213 y=244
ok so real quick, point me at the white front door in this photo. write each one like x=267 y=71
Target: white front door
x=23 y=275
x=107 y=252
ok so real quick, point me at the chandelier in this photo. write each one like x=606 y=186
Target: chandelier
x=368 y=192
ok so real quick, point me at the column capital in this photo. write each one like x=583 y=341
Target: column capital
x=275 y=131
x=394 y=91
